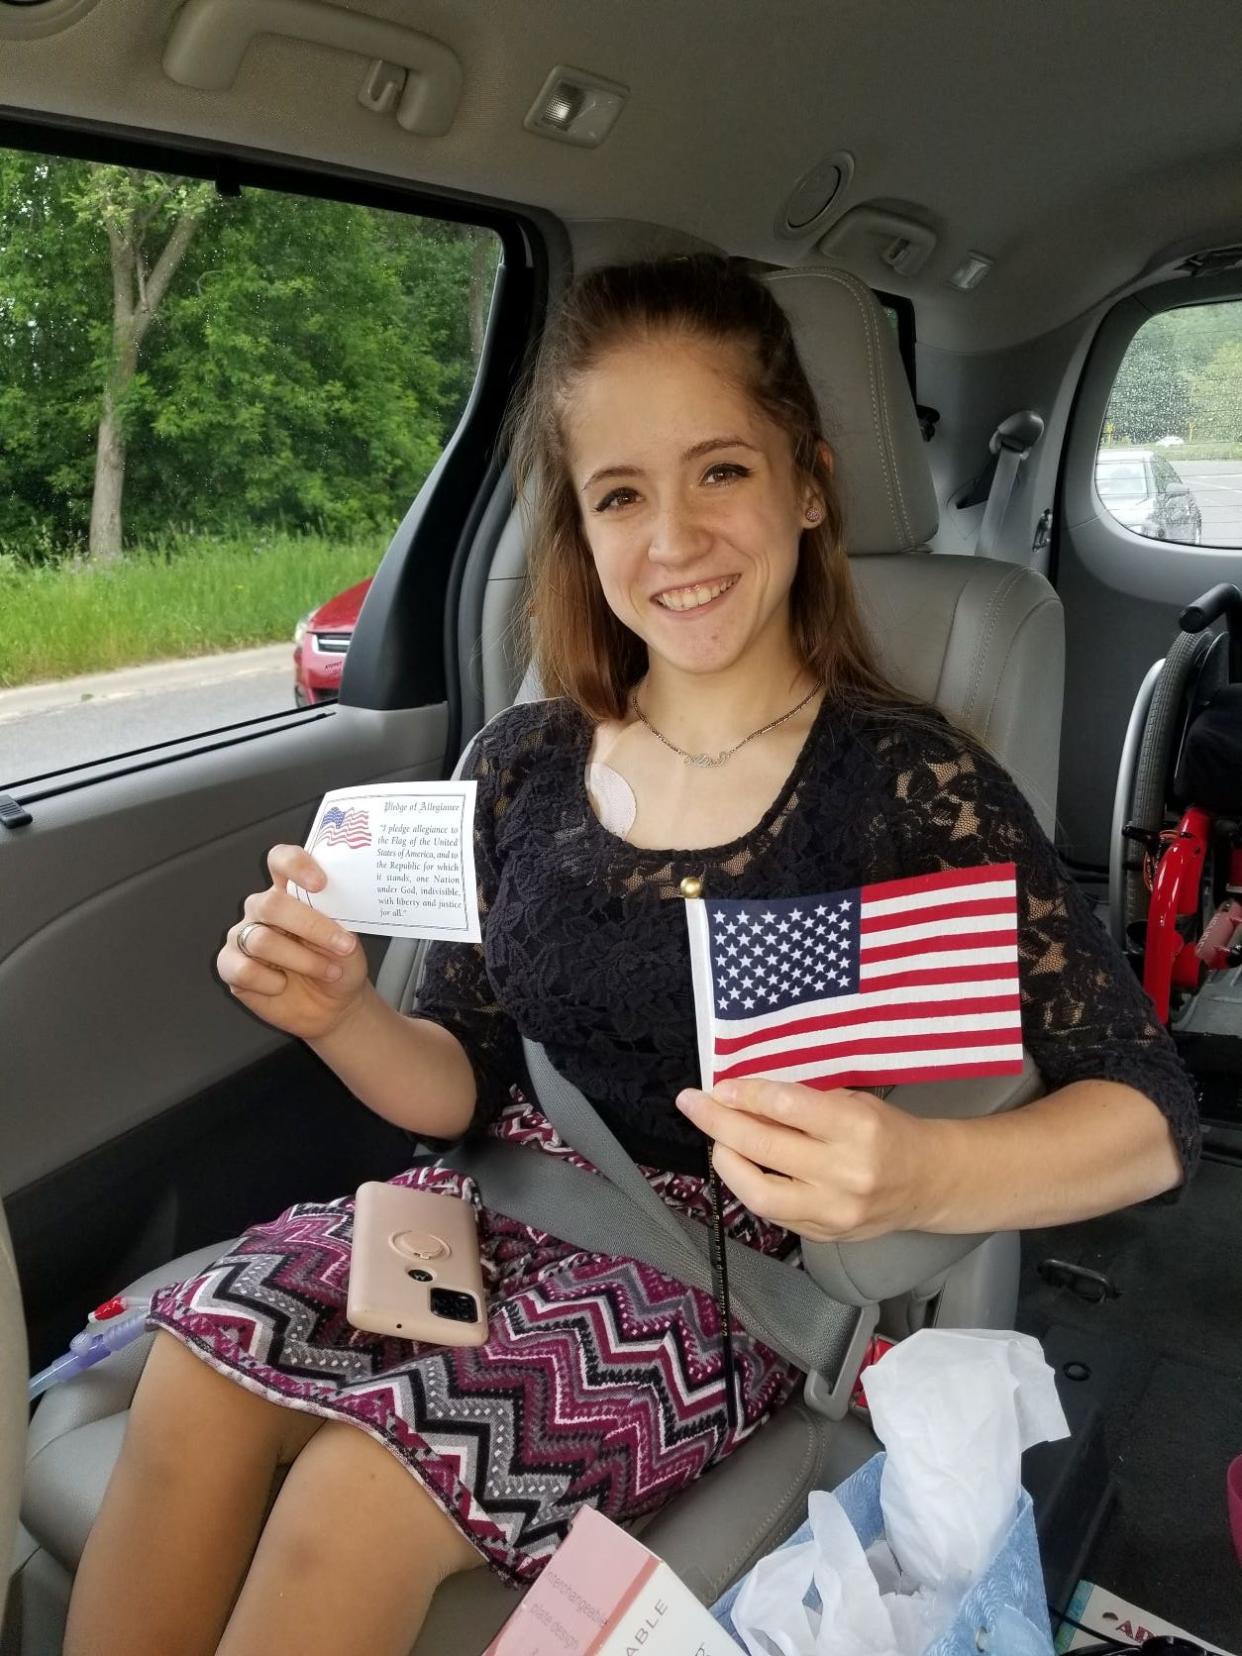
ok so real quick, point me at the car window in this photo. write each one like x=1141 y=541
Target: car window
x=1178 y=396
x=215 y=408
x=1120 y=479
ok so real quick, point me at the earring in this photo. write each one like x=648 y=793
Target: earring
x=814 y=514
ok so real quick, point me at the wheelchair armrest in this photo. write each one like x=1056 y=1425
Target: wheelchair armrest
x=864 y=1273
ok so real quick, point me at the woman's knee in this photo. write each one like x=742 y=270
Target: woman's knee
x=346 y=1471
x=183 y=1406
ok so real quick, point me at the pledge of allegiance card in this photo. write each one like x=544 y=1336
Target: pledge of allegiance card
x=399 y=860
x=603 y=1594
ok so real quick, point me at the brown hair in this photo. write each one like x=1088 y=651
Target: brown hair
x=578 y=646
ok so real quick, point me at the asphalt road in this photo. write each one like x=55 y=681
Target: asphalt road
x=48 y=728
x=1217 y=486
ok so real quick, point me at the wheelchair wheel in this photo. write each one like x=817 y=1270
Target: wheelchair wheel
x=1144 y=793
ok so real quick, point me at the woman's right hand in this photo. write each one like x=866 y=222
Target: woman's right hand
x=300 y=971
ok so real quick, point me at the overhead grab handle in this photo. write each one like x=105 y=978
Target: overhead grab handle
x=211 y=37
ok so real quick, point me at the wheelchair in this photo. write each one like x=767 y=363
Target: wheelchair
x=1175 y=875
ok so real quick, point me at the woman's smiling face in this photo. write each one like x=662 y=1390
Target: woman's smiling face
x=690 y=502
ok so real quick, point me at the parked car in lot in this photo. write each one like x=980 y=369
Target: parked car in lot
x=1145 y=494
x=320 y=641
x=357 y=366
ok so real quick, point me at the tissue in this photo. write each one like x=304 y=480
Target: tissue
x=954 y=1409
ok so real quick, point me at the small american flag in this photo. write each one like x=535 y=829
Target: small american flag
x=907 y=980
x=341 y=827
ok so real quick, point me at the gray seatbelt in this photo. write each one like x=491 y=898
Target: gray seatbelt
x=621 y=1214
x=1011 y=442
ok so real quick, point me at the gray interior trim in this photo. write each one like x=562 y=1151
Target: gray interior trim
x=90 y=918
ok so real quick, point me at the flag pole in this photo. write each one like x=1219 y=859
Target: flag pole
x=701 y=970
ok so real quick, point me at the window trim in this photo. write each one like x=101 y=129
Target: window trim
x=1168 y=572
x=404 y=662
x=907 y=339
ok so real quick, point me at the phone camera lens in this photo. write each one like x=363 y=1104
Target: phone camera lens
x=457 y=1307
x=420 y=1276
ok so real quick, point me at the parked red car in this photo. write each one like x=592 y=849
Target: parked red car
x=320 y=641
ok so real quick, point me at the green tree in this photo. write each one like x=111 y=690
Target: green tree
x=318 y=356
x=271 y=360
x=149 y=221
x=1161 y=389
x=54 y=319
x=1218 y=396
x=1150 y=397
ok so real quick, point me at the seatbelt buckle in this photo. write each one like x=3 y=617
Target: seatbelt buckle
x=832 y=1397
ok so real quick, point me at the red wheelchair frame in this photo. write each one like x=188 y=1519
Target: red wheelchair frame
x=1176 y=952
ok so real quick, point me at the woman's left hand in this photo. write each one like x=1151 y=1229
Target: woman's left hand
x=833 y=1166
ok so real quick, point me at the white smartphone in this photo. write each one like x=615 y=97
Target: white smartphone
x=414 y=1269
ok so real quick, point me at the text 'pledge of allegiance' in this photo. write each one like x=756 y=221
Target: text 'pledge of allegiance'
x=418 y=865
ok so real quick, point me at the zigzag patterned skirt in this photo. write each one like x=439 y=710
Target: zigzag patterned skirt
x=600 y=1383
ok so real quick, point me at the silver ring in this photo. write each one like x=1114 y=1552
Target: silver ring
x=243 y=933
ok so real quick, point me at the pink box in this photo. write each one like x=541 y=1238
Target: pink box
x=603 y=1594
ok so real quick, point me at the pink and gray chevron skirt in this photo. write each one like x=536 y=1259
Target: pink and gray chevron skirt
x=600 y=1383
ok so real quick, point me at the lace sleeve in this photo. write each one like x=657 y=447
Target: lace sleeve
x=455 y=990
x=1085 y=1016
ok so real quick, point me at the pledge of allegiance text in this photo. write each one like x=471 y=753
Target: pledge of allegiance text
x=418 y=850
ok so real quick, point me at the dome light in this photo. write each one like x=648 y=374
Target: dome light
x=576 y=107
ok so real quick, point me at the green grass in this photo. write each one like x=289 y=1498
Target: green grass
x=192 y=596
x=1204 y=451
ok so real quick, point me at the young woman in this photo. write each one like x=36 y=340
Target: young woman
x=691 y=600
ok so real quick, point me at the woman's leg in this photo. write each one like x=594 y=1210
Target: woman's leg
x=349 y=1558
x=164 y=1561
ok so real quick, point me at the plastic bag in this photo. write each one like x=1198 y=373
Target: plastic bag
x=936 y=1539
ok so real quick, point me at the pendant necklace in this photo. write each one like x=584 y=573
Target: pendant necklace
x=707 y=761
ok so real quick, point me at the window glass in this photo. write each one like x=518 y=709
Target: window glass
x=214 y=410
x=1170 y=457
x=1120 y=479
x=900 y=314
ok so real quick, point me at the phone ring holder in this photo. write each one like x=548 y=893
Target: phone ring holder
x=421 y=1245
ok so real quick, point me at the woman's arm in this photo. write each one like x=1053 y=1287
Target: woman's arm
x=1085 y=1016
x=1098 y=1146
x=447 y=1067
x=408 y=1070
x=844 y=1165
x=1119 y=1123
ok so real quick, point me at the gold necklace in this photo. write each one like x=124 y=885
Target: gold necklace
x=705 y=760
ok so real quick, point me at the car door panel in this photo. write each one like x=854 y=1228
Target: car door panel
x=128 y=1064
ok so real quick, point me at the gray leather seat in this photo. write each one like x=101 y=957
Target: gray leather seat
x=981 y=640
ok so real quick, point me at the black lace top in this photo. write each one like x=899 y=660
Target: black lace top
x=585 y=946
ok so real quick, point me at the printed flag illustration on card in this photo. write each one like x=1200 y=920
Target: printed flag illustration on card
x=906 y=980
x=341 y=827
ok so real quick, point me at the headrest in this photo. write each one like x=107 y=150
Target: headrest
x=849 y=351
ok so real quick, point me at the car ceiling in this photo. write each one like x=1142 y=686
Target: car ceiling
x=1076 y=144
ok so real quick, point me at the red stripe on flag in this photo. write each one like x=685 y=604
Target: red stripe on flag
x=945 y=879
x=1004 y=1000
x=874 y=1077
x=976 y=907
x=939 y=945
x=951 y=1041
